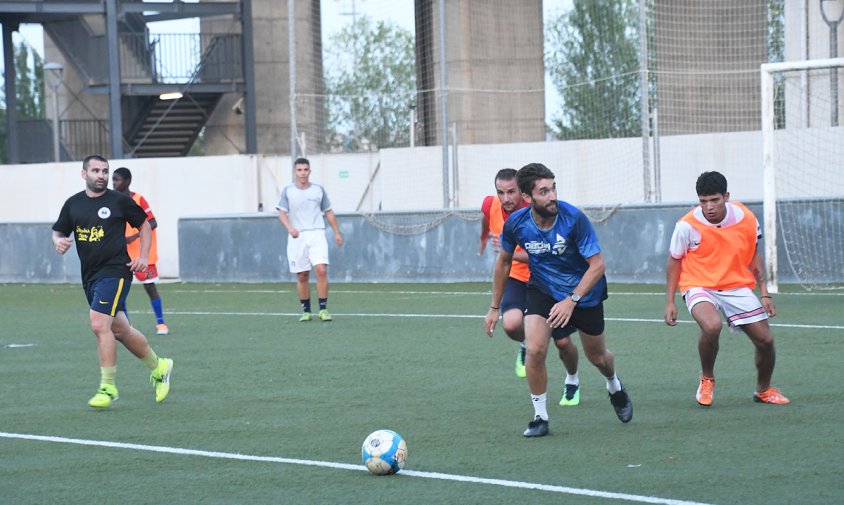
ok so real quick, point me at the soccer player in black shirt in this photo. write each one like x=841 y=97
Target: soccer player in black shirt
x=97 y=219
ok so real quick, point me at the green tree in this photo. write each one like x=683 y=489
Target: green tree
x=370 y=86
x=592 y=57
x=29 y=85
x=776 y=53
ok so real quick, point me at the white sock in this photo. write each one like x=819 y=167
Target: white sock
x=573 y=379
x=613 y=384
x=539 y=406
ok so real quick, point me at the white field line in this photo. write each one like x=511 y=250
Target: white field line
x=419 y=293
x=346 y=466
x=456 y=316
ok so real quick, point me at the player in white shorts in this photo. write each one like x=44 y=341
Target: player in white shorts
x=301 y=208
x=714 y=261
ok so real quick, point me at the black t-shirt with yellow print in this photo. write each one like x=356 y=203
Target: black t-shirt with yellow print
x=99 y=226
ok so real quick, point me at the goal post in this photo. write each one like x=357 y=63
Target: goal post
x=803 y=188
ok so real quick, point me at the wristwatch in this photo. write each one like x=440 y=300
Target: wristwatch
x=575 y=298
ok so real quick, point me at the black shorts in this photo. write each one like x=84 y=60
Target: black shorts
x=107 y=295
x=589 y=320
x=514 y=295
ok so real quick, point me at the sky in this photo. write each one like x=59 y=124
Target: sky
x=335 y=15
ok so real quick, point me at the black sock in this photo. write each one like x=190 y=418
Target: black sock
x=323 y=303
x=306 y=305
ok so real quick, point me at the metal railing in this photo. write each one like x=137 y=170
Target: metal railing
x=174 y=57
x=83 y=137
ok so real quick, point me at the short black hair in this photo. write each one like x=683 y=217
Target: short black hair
x=123 y=173
x=302 y=161
x=93 y=157
x=528 y=175
x=711 y=183
x=506 y=174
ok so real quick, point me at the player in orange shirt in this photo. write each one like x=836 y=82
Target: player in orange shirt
x=496 y=210
x=715 y=262
x=122 y=178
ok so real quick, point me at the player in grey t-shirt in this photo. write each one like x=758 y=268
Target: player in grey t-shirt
x=301 y=207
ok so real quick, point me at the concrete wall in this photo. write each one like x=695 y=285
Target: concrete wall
x=589 y=173
x=250 y=247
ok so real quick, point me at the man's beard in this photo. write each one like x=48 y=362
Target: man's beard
x=93 y=186
x=545 y=211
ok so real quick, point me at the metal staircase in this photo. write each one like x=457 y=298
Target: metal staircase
x=151 y=127
x=169 y=128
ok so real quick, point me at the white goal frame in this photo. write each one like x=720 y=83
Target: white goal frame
x=769 y=198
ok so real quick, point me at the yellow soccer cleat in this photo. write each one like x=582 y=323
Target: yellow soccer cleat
x=104 y=397
x=161 y=378
x=571 y=395
x=520 y=364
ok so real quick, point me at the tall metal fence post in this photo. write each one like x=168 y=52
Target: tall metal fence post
x=443 y=103
x=291 y=38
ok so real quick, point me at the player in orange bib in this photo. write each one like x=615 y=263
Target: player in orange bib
x=715 y=262
x=122 y=178
x=496 y=210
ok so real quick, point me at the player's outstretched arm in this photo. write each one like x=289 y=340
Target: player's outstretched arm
x=672 y=280
x=484 y=235
x=332 y=221
x=61 y=242
x=141 y=263
x=499 y=280
x=757 y=267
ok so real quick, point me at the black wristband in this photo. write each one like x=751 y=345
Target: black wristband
x=494 y=308
x=766 y=296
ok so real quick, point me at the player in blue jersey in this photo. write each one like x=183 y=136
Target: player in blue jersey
x=566 y=290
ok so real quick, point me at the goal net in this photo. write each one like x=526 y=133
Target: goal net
x=803 y=154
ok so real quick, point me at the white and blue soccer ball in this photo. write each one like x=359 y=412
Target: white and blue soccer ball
x=384 y=452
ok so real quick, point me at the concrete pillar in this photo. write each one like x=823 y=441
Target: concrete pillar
x=707 y=61
x=224 y=132
x=493 y=49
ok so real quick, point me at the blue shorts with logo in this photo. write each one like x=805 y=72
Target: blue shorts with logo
x=107 y=295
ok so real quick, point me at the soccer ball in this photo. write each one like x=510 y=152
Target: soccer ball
x=384 y=452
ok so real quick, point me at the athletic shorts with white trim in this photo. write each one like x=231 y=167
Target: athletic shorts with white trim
x=740 y=306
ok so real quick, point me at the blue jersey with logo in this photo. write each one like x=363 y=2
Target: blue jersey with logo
x=557 y=255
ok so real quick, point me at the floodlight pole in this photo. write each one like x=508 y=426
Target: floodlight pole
x=833 y=53
x=443 y=103
x=291 y=42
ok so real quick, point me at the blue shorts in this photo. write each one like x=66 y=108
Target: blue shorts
x=108 y=295
x=589 y=320
x=514 y=295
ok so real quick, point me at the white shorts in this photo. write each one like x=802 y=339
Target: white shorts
x=740 y=306
x=308 y=249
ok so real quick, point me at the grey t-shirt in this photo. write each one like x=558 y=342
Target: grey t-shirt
x=305 y=207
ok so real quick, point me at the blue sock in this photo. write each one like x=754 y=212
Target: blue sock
x=306 y=304
x=323 y=303
x=159 y=312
